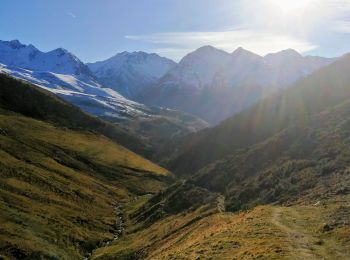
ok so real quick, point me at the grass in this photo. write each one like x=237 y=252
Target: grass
x=265 y=232
x=94 y=147
x=58 y=188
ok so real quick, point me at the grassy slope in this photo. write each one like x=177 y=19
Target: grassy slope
x=38 y=103
x=310 y=161
x=265 y=232
x=58 y=187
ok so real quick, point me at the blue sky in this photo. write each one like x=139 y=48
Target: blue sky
x=97 y=29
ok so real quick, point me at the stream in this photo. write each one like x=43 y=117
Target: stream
x=119 y=229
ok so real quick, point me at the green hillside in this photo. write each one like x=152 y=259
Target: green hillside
x=61 y=181
x=58 y=188
x=35 y=102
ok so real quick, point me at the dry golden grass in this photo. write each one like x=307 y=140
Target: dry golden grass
x=95 y=147
x=58 y=188
x=265 y=232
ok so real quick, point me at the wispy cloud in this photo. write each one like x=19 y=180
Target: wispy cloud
x=177 y=44
x=71 y=15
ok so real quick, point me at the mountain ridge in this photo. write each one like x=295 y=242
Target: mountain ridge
x=215 y=77
x=130 y=73
x=81 y=88
x=269 y=114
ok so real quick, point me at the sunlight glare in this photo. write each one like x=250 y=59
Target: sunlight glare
x=290 y=6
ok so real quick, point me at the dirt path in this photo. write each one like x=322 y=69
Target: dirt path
x=301 y=241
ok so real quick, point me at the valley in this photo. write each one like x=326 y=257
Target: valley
x=222 y=153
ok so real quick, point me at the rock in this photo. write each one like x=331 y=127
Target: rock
x=318 y=203
x=326 y=228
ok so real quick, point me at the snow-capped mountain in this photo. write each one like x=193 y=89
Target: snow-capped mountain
x=197 y=69
x=131 y=73
x=13 y=53
x=214 y=84
x=64 y=74
x=88 y=95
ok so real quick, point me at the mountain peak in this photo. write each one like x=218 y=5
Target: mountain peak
x=207 y=49
x=130 y=72
x=61 y=61
x=206 y=52
x=290 y=52
x=286 y=53
x=60 y=51
x=16 y=44
x=240 y=51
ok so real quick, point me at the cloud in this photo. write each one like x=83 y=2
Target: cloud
x=177 y=44
x=71 y=15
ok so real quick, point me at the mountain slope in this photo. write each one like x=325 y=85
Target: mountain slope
x=152 y=124
x=35 y=102
x=61 y=177
x=65 y=75
x=266 y=232
x=58 y=188
x=213 y=84
x=306 y=161
x=280 y=170
x=322 y=90
x=131 y=73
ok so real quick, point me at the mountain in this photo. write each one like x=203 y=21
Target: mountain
x=214 y=84
x=131 y=73
x=63 y=174
x=65 y=75
x=38 y=103
x=196 y=69
x=289 y=66
x=271 y=182
x=321 y=90
x=15 y=54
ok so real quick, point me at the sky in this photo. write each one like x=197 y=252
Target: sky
x=98 y=29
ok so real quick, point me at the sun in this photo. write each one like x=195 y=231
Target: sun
x=290 y=6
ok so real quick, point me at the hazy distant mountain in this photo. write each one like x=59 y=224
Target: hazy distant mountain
x=131 y=73
x=297 y=105
x=214 y=84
